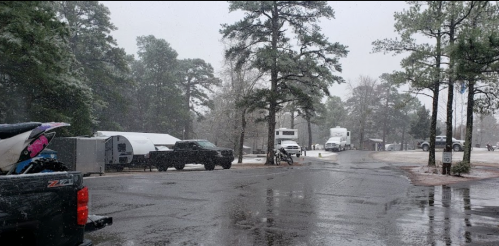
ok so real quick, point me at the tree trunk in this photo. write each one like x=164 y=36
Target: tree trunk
x=450 y=91
x=235 y=133
x=385 y=119
x=273 y=88
x=403 y=138
x=361 y=139
x=237 y=84
x=469 y=122
x=309 y=126
x=188 y=127
x=241 y=137
x=436 y=91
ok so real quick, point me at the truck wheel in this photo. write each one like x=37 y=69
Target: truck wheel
x=162 y=168
x=227 y=165
x=457 y=148
x=179 y=166
x=426 y=147
x=209 y=165
x=297 y=155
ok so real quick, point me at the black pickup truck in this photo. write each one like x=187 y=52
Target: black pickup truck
x=46 y=209
x=196 y=151
x=42 y=202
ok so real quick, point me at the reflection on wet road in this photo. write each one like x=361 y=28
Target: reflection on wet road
x=351 y=201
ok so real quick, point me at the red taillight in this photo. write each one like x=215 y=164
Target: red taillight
x=82 y=207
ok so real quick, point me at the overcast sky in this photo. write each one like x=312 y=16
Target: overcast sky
x=192 y=29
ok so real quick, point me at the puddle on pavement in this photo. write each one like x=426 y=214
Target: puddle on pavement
x=450 y=216
x=442 y=215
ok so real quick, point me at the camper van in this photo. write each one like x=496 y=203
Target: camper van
x=341 y=132
x=285 y=138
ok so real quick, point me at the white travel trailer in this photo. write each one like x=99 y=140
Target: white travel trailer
x=122 y=150
x=160 y=140
x=341 y=132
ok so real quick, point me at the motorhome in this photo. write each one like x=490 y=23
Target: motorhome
x=341 y=132
x=285 y=138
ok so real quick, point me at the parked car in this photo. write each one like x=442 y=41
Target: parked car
x=440 y=144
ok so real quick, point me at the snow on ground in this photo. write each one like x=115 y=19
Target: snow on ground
x=421 y=174
x=478 y=156
x=261 y=158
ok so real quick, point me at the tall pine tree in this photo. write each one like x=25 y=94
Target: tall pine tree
x=261 y=39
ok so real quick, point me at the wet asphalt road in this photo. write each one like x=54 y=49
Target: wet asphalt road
x=353 y=201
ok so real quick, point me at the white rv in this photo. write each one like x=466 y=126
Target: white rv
x=285 y=138
x=341 y=132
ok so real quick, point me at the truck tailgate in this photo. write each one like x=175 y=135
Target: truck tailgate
x=41 y=206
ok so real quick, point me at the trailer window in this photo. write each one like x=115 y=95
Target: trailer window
x=121 y=147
